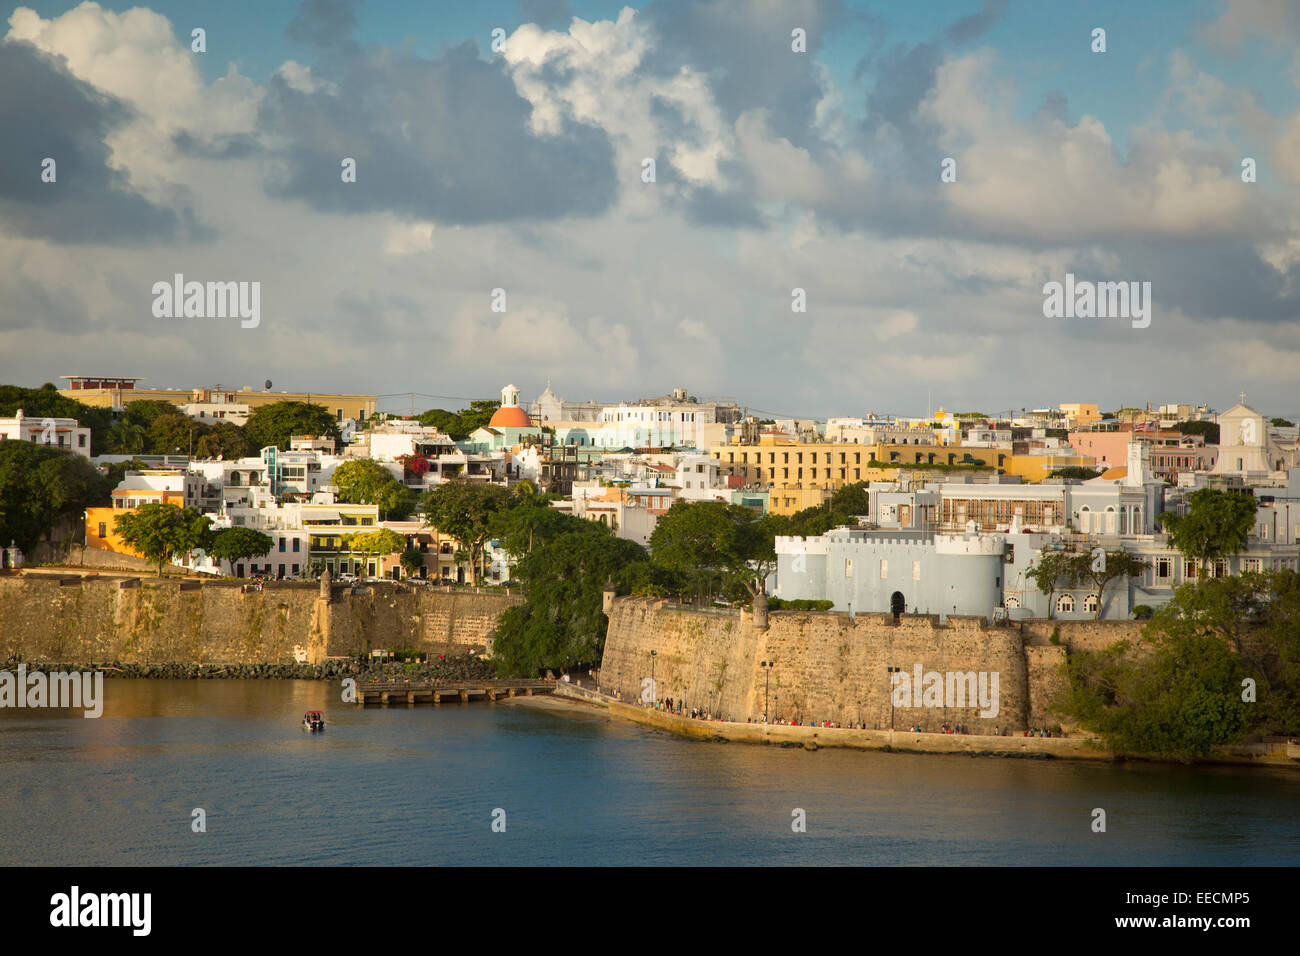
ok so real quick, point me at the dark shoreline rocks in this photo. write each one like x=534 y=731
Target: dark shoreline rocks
x=330 y=670
x=453 y=668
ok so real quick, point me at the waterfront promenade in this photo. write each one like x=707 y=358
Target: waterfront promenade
x=815 y=738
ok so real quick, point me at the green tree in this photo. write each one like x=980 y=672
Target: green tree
x=1177 y=697
x=1207 y=430
x=381 y=542
x=710 y=538
x=1181 y=691
x=161 y=532
x=1077 y=472
x=175 y=434
x=274 y=424
x=530 y=524
x=478 y=414
x=1101 y=569
x=458 y=425
x=1053 y=571
x=464 y=510
x=239 y=544
x=126 y=437
x=1217 y=525
x=448 y=423
x=41 y=485
x=1281 y=423
x=412 y=560
x=365 y=481
x=562 y=624
x=224 y=440
x=1257 y=615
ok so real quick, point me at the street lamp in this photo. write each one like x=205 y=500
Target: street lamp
x=767 y=674
x=654 y=690
x=892 y=671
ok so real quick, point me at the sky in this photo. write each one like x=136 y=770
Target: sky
x=519 y=165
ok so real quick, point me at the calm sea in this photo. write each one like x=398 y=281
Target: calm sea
x=420 y=785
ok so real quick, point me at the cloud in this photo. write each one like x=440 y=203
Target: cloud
x=46 y=112
x=446 y=139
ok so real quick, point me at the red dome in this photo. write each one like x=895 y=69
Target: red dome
x=510 y=416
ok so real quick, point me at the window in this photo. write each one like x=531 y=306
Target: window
x=103 y=529
x=295 y=567
x=1090 y=604
x=282 y=545
x=884 y=568
x=1164 y=568
x=916 y=570
x=1065 y=604
x=81 y=441
x=848 y=567
x=295 y=549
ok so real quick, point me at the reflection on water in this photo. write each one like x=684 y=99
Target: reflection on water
x=418 y=785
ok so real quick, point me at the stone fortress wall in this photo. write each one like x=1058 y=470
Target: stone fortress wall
x=148 y=620
x=827 y=667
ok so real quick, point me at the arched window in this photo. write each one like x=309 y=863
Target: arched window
x=1065 y=604
x=1090 y=604
x=1012 y=602
x=1085 y=519
x=1110 y=520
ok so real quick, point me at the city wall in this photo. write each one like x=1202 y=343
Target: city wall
x=148 y=620
x=825 y=667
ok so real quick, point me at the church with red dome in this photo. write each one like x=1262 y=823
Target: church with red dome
x=508 y=426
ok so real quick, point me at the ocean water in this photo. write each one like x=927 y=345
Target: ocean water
x=423 y=785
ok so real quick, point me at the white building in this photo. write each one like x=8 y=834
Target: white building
x=1246 y=449
x=56 y=432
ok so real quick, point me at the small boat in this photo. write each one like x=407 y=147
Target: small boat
x=313 y=720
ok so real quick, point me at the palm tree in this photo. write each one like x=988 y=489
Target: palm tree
x=126 y=438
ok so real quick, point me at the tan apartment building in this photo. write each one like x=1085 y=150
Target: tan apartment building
x=799 y=474
x=116 y=393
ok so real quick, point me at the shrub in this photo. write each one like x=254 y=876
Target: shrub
x=777 y=604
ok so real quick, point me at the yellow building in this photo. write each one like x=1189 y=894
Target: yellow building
x=100 y=533
x=801 y=475
x=331 y=526
x=1034 y=468
x=1080 y=414
x=118 y=393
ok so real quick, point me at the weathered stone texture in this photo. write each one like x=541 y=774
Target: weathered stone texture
x=156 y=621
x=826 y=668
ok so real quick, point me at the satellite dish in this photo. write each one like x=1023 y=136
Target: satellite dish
x=268 y=384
